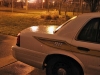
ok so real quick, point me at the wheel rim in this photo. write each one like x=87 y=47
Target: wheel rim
x=60 y=69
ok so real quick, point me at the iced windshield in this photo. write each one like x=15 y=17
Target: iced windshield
x=65 y=23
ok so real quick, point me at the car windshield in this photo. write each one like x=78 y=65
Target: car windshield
x=65 y=23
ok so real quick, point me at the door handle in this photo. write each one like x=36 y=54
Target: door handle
x=83 y=49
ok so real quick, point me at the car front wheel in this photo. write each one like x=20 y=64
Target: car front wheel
x=60 y=66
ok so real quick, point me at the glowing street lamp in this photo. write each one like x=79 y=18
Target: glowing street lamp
x=43 y=1
x=53 y=3
x=31 y=1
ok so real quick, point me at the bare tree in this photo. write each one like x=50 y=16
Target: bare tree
x=61 y=2
x=93 y=4
x=7 y=3
x=21 y=3
x=46 y=3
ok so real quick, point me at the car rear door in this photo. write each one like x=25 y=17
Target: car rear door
x=87 y=46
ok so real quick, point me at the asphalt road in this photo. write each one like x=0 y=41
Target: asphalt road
x=9 y=65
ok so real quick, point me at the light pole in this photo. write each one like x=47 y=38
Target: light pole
x=53 y=3
x=26 y=4
x=12 y=6
x=81 y=5
x=48 y=5
x=43 y=3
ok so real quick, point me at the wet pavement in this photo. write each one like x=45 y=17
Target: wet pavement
x=9 y=65
x=5 y=49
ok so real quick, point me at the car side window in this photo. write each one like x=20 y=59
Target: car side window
x=89 y=31
x=98 y=38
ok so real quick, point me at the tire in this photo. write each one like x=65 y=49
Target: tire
x=61 y=66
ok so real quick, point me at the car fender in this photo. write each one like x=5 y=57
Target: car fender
x=67 y=54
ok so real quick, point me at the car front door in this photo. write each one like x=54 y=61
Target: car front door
x=87 y=46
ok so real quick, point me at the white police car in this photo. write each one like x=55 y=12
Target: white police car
x=72 y=49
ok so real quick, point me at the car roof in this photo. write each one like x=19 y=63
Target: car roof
x=95 y=14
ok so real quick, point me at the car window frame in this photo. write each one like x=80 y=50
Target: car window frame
x=82 y=29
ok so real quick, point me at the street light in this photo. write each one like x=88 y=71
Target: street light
x=31 y=1
x=53 y=3
x=43 y=1
x=12 y=5
x=26 y=4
